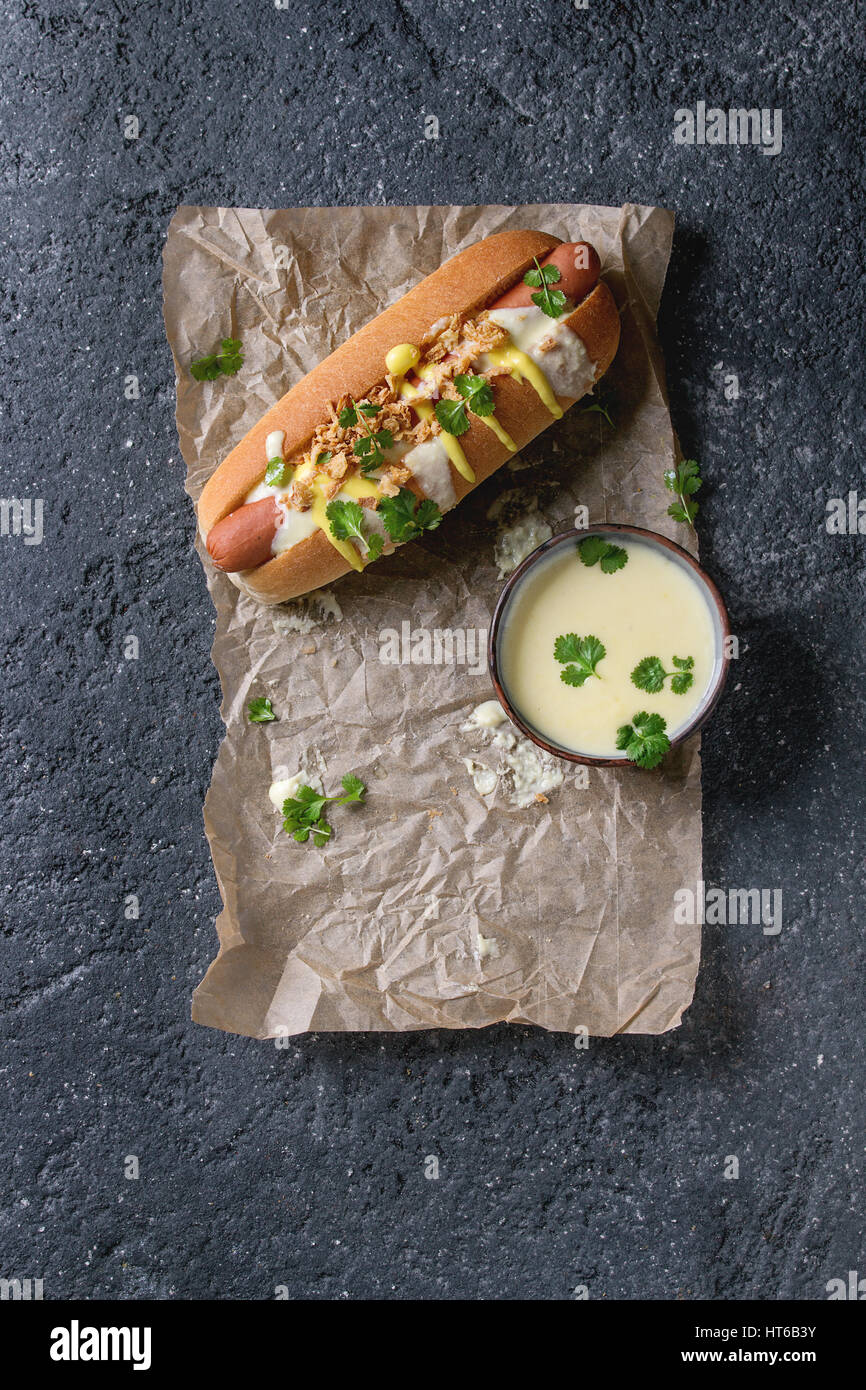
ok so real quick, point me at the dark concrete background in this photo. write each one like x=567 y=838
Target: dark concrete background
x=304 y=1167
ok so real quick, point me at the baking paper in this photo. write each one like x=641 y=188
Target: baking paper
x=434 y=906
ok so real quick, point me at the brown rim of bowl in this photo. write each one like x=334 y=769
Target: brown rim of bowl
x=565 y=537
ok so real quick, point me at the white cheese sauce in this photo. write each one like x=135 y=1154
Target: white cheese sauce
x=286 y=787
x=274 y=445
x=294 y=526
x=429 y=465
x=552 y=345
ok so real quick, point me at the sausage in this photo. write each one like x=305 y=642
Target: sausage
x=579 y=268
x=243 y=539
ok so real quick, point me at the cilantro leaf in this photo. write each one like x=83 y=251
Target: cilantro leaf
x=542 y=275
x=226 y=362
x=370 y=450
x=277 y=473
x=649 y=674
x=644 y=740
x=260 y=711
x=684 y=678
x=551 y=302
x=397 y=514
x=230 y=357
x=427 y=515
x=592 y=549
x=346 y=520
x=596 y=548
x=477 y=392
x=614 y=558
x=206 y=368
x=347 y=524
x=601 y=404
x=452 y=416
x=682 y=682
x=573 y=675
x=354 y=789
x=684 y=480
x=583 y=655
x=403 y=520
x=350 y=413
x=567 y=648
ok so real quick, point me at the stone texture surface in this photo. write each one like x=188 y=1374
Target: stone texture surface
x=305 y=1167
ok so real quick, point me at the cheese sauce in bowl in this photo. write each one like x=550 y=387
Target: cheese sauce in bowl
x=577 y=649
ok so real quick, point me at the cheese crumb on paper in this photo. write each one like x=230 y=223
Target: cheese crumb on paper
x=517 y=541
x=285 y=786
x=305 y=614
x=527 y=773
x=522 y=528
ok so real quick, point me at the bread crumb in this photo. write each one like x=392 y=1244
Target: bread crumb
x=309 y=649
x=433 y=813
x=539 y=796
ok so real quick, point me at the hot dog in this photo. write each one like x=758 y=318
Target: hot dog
x=411 y=413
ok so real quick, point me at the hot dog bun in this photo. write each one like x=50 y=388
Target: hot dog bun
x=468 y=283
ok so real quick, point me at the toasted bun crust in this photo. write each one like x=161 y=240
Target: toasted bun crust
x=466 y=284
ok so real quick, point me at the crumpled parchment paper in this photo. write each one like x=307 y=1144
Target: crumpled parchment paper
x=433 y=906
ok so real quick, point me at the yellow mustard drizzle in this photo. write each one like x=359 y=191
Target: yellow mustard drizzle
x=501 y=434
x=521 y=366
x=402 y=359
x=356 y=488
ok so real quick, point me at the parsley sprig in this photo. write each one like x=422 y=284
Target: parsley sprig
x=260 y=711
x=684 y=480
x=644 y=740
x=582 y=655
x=404 y=520
x=302 y=813
x=551 y=302
x=595 y=550
x=477 y=397
x=347 y=523
x=371 y=449
x=651 y=675
x=226 y=362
